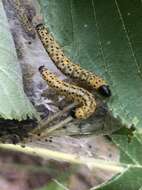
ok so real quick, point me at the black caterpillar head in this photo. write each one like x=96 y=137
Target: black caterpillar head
x=41 y=68
x=40 y=26
x=104 y=90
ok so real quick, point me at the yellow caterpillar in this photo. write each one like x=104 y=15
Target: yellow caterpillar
x=66 y=66
x=23 y=17
x=85 y=99
x=56 y=53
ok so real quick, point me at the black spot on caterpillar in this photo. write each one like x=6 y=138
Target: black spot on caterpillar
x=23 y=17
x=85 y=99
x=66 y=66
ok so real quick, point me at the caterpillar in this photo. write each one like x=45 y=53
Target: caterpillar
x=82 y=97
x=23 y=17
x=66 y=66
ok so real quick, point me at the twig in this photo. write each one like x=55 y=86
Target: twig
x=57 y=126
x=44 y=123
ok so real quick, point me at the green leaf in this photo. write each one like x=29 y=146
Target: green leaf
x=104 y=37
x=131 y=155
x=14 y=104
x=52 y=186
x=131 y=179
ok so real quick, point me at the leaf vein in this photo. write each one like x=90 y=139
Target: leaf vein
x=126 y=152
x=128 y=38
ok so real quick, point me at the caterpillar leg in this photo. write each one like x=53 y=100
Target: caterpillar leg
x=67 y=67
x=85 y=100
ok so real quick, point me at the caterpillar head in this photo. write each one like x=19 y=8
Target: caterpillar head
x=44 y=72
x=40 y=26
x=104 y=90
x=101 y=86
x=41 y=68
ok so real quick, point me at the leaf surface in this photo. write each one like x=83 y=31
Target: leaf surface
x=131 y=155
x=104 y=37
x=14 y=104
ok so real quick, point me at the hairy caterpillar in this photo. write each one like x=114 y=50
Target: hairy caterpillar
x=23 y=17
x=66 y=66
x=85 y=99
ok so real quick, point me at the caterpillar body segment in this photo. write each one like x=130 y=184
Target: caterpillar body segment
x=65 y=64
x=85 y=99
x=23 y=17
